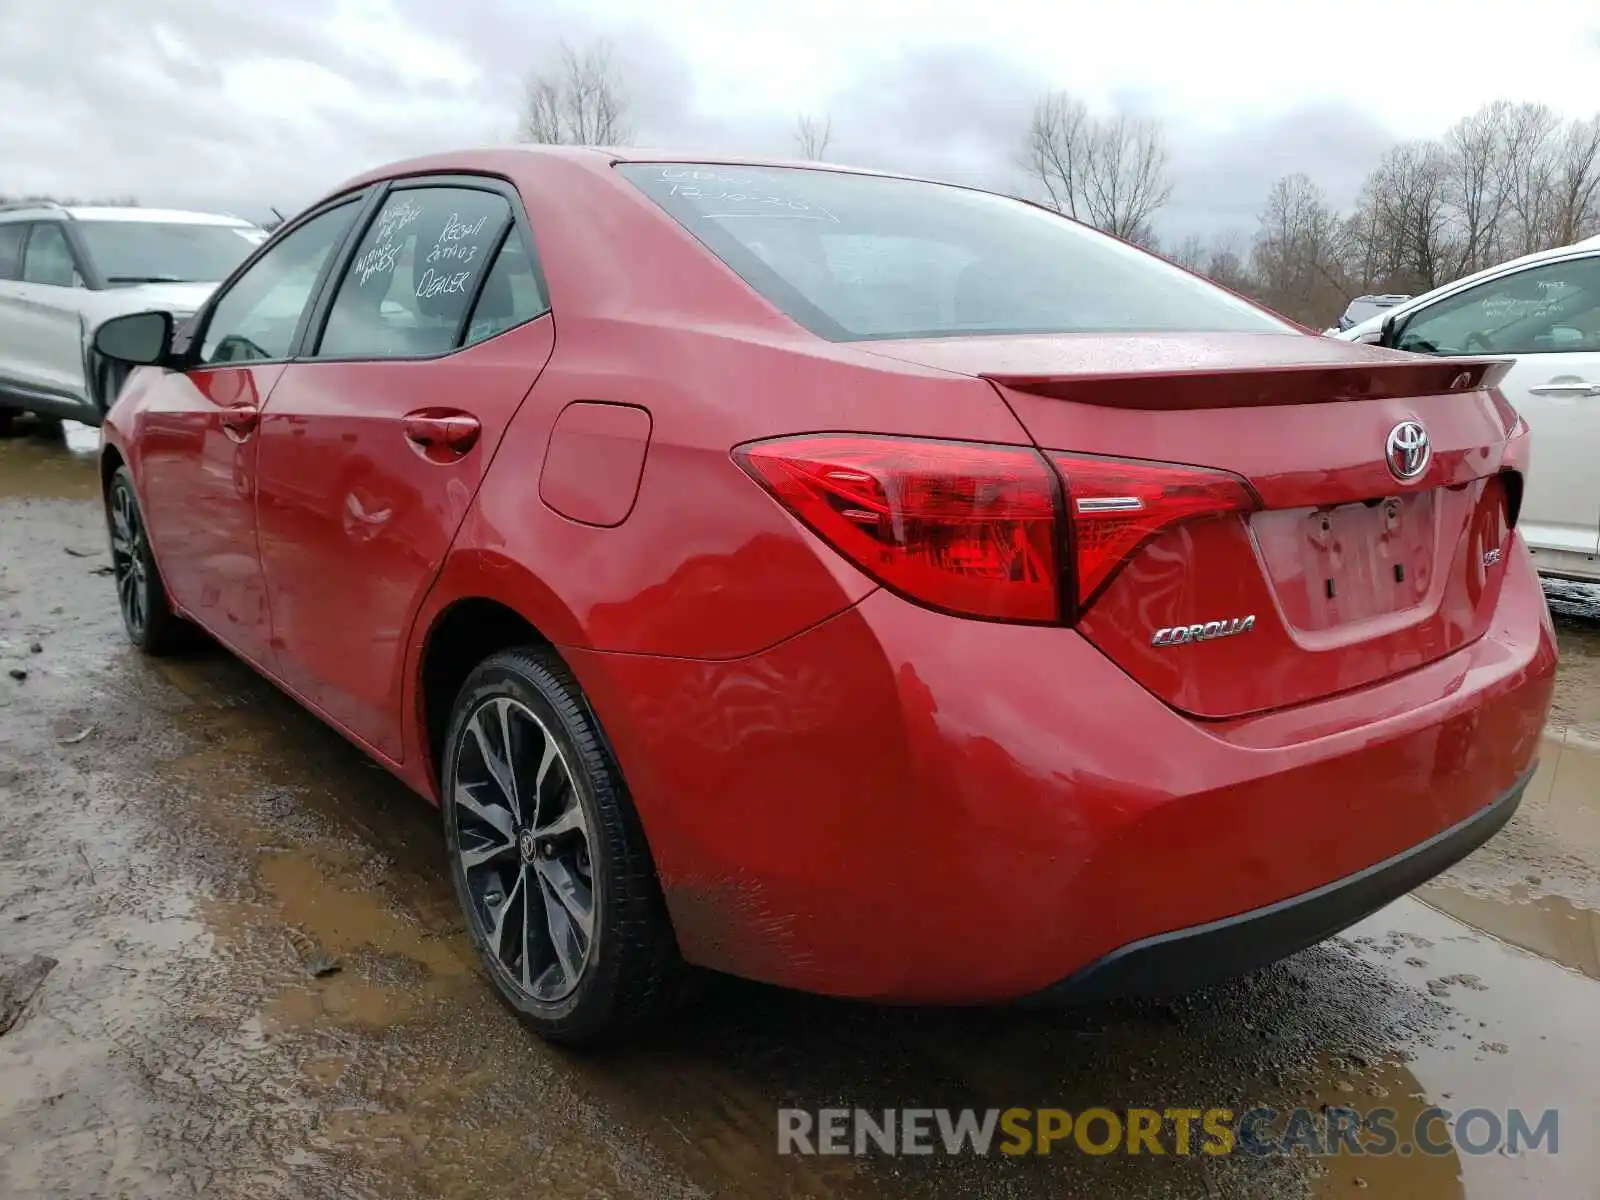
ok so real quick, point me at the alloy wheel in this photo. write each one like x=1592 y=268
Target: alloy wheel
x=524 y=849
x=129 y=560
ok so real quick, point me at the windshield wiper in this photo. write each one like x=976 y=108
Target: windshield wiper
x=148 y=279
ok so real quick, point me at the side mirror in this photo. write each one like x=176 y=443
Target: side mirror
x=1389 y=331
x=142 y=339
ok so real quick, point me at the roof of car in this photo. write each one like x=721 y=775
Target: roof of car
x=119 y=212
x=506 y=159
x=169 y=216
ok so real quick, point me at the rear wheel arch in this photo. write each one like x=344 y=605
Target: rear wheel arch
x=461 y=636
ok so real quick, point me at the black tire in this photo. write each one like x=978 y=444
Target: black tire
x=6 y=416
x=141 y=596
x=630 y=970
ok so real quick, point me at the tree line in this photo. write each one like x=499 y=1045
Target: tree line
x=1509 y=179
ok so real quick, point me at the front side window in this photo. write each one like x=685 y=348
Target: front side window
x=414 y=274
x=1547 y=309
x=11 y=237
x=863 y=256
x=48 y=258
x=133 y=252
x=256 y=318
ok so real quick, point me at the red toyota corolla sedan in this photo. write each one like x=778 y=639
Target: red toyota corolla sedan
x=861 y=584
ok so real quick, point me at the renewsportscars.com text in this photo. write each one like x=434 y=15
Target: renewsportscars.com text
x=1178 y=1131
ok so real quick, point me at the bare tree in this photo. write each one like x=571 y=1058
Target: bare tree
x=812 y=136
x=1479 y=185
x=1059 y=145
x=1225 y=264
x=1575 y=206
x=1111 y=174
x=1300 y=252
x=1127 y=181
x=1530 y=165
x=1505 y=180
x=1405 y=219
x=1191 y=253
x=580 y=101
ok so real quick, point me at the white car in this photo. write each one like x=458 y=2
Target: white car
x=1542 y=311
x=63 y=271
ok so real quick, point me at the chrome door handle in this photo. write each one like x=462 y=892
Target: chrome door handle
x=1566 y=389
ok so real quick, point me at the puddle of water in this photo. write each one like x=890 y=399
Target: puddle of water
x=1576 y=608
x=1520 y=1032
x=58 y=464
x=1566 y=789
x=1550 y=926
x=1393 y=1085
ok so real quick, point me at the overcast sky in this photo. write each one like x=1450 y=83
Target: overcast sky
x=241 y=104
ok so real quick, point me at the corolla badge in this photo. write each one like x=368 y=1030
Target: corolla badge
x=1179 y=635
x=1408 y=450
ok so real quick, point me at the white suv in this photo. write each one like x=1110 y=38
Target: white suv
x=1542 y=311
x=65 y=270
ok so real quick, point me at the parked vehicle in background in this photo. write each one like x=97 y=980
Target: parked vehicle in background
x=1363 y=307
x=880 y=587
x=64 y=270
x=1543 y=312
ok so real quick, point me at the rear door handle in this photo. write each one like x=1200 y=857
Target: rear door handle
x=1575 y=388
x=442 y=436
x=241 y=419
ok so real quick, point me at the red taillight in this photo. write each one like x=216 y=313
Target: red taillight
x=967 y=528
x=977 y=529
x=1117 y=504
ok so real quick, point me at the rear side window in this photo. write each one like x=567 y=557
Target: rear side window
x=48 y=258
x=512 y=293
x=863 y=256
x=11 y=236
x=415 y=274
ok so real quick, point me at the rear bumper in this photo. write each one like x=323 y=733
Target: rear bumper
x=904 y=806
x=1185 y=959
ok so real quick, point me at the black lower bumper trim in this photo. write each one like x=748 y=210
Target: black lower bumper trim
x=1186 y=959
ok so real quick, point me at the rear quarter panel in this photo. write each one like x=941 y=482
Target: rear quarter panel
x=706 y=564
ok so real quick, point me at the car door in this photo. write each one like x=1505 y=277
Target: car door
x=13 y=346
x=376 y=438
x=196 y=439
x=46 y=321
x=1548 y=317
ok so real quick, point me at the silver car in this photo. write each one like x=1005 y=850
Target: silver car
x=64 y=270
x=1364 y=307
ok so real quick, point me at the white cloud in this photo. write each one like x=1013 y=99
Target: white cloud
x=193 y=101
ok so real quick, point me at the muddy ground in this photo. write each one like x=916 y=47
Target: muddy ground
x=196 y=854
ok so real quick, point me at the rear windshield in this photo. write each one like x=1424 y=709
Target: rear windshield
x=852 y=257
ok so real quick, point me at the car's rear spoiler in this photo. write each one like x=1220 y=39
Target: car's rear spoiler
x=1314 y=383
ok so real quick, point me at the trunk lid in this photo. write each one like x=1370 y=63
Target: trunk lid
x=1346 y=574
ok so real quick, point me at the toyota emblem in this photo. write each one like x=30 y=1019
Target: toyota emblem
x=1408 y=450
